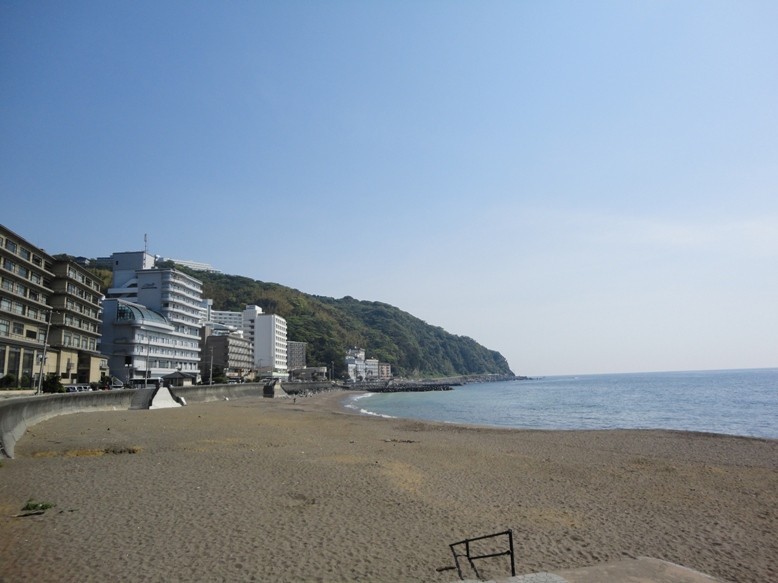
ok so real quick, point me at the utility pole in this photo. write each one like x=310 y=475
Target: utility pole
x=210 y=374
x=43 y=356
x=148 y=361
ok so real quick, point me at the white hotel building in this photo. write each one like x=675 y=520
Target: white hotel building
x=265 y=332
x=173 y=295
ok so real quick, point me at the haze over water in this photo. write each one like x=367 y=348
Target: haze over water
x=735 y=402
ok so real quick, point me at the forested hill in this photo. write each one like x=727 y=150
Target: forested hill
x=330 y=326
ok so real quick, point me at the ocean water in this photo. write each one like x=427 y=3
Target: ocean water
x=734 y=402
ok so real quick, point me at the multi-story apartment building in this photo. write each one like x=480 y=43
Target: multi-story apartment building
x=174 y=295
x=76 y=302
x=371 y=369
x=249 y=318
x=270 y=345
x=227 y=351
x=360 y=368
x=49 y=315
x=25 y=280
x=295 y=355
x=384 y=371
x=142 y=346
x=232 y=319
x=265 y=332
x=355 y=363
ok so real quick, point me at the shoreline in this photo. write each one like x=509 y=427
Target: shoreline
x=273 y=489
x=367 y=413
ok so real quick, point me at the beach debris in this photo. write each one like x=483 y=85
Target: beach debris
x=119 y=450
x=33 y=513
x=33 y=508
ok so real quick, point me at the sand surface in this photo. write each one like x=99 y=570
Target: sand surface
x=271 y=490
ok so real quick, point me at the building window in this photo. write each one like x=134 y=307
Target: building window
x=10 y=245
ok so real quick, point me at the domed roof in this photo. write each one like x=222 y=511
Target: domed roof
x=129 y=311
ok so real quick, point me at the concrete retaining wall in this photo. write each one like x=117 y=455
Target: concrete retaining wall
x=16 y=415
x=205 y=393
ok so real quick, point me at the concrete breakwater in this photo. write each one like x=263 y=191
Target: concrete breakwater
x=408 y=387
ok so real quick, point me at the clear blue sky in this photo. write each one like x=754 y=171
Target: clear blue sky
x=584 y=186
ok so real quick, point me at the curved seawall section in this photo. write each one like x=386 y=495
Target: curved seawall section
x=16 y=415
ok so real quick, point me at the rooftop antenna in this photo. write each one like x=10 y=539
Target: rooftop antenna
x=145 y=243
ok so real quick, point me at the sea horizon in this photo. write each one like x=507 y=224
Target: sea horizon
x=644 y=372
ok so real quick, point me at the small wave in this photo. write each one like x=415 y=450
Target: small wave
x=352 y=404
x=366 y=412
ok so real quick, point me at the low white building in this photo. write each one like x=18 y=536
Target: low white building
x=355 y=364
x=360 y=368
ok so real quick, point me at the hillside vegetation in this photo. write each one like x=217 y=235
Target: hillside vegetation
x=330 y=326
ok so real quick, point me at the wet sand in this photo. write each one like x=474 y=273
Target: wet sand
x=271 y=490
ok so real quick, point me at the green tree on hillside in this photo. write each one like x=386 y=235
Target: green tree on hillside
x=330 y=326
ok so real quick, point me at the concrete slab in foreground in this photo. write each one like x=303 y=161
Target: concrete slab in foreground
x=640 y=570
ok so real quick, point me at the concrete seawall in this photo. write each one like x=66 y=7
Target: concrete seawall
x=19 y=413
x=205 y=393
x=16 y=415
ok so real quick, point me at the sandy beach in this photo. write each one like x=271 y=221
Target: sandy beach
x=275 y=490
